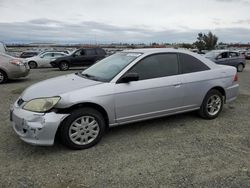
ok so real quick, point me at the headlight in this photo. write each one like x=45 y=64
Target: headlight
x=42 y=104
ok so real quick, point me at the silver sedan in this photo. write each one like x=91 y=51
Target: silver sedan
x=11 y=68
x=126 y=87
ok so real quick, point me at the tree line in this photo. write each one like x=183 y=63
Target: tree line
x=203 y=42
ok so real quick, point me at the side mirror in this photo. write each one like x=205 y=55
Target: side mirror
x=129 y=77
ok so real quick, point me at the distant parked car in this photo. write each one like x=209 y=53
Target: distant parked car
x=11 y=67
x=126 y=87
x=80 y=57
x=247 y=54
x=28 y=54
x=226 y=57
x=43 y=59
x=62 y=51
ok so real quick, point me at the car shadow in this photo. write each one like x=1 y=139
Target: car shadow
x=169 y=122
x=16 y=81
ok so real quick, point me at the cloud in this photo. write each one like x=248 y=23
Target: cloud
x=47 y=30
x=234 y=1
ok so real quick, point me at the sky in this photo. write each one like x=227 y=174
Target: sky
x=132 y=21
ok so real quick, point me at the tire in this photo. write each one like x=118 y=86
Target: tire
x=63 y=66
x=240 y=67
x=212 y=105
x=76 y=130
x=3 y=77
x=32 y=65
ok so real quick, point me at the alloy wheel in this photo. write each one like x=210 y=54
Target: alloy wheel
x=214 y=105
x=84 y=130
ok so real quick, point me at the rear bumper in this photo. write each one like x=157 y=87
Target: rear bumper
x=232 y=93
x=54 y=64
x=36 y=128
x=18 y=72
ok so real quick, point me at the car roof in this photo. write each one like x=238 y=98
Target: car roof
x=149 y=51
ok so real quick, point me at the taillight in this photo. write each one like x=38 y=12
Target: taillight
x=16 y=62
x=235 y=78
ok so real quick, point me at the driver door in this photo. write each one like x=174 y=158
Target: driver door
x=223 y=58
x=157 y=92
x=45 y=59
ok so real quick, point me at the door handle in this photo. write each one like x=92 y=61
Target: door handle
x=178 y=84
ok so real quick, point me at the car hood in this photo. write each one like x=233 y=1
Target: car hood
x=57 y=86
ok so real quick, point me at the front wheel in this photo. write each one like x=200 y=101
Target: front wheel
x=82 y=129
x=32 y=64
x=212 y=105
x=63 y=66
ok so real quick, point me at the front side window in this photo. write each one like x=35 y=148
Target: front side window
x=191 y=64
x=223 y=55
x=48 y=55
x=156 y=66
x=79 y=53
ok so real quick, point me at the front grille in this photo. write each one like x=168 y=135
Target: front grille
x=20 y=102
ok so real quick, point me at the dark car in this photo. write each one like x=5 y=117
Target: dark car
x=226 y=57
x=247 y=54
x=28 y=54
x=80 y=57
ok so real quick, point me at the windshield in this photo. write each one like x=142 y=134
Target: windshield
x=212 y=54
x=106 y=69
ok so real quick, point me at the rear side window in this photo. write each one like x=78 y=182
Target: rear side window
x=156 y=66
x=191 y=64
x=233 y=54
x=100 y=51
x=90 y=52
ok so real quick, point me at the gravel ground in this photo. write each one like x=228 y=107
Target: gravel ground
x=176 y=151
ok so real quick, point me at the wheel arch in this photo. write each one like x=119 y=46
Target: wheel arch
x=32 y=61
x=221 y=90
x=5 y=72
x=95 y=106
x=64 y=60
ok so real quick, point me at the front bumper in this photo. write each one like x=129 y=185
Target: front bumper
x=35 y=128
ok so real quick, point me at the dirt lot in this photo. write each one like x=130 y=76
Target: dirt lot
x=176 y=151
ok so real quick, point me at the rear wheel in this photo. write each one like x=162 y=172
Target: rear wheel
x=240 y=67
x=82 y=129
x=63 y=66
x=212 y=105
x=3 y=77
x=32 y=64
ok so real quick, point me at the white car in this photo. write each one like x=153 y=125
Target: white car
x=43 y=59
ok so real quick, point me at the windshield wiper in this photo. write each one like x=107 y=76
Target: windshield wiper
x=88 y=76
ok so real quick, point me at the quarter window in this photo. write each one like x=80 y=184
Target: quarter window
x=156 y=66
x=191 y=64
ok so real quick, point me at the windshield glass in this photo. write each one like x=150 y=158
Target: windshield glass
x=212 y=54
x=106 y=69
